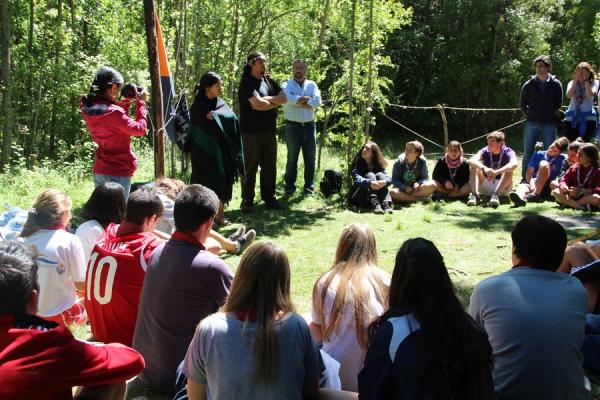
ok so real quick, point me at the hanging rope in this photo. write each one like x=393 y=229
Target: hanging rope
x=500 y=129
x=408 y=129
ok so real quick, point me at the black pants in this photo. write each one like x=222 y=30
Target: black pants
x=260 y=149
x=361 y=196
x=573 y=133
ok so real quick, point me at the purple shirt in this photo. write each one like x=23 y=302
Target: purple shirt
x=497 y=161
x=184 y=283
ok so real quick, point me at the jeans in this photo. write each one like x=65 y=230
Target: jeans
x=299 y=137
x=124 y=181
x=534 y=131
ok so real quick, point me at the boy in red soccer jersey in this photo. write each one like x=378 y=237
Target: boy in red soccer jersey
x=41 y=359
x=117 y=268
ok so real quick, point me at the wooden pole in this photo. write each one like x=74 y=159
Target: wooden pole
x=444 y=123
x=156 y=94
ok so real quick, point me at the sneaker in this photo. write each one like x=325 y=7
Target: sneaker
x=387 y=207
x=247 y=206
x=237 y=234
x=473 y=200
x=534 y=198
x=273 y=204
x=440 y=196
x=378 y=209
x=245 y=241
x=494 y=201
x=517 y=200
x=426 y=199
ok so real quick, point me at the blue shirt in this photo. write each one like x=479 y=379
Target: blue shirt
x=293 y=91
x=555 y=163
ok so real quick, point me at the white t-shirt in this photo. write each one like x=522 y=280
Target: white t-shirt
x=88 y=233
x=343 y=343
x=166 y=223
x=60 y=264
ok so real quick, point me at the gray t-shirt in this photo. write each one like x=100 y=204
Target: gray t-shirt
x=535 y=321
x=220 y=356
x=183 y=284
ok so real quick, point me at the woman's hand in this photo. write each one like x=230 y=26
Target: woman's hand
x=448 y=185
x=210 y=116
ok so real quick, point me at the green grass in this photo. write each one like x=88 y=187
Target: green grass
x=475 y=241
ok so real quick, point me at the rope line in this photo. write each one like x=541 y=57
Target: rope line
x=499 y=129
x=406 y=107
x=408 y=129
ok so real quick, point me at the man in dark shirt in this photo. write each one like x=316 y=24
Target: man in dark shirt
x=259 y=97
x=184 y=283
x=541 y=98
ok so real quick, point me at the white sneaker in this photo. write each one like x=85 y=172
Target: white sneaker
x=494 y=201
x=473 y=200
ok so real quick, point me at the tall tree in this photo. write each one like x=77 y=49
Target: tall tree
x=7 y=86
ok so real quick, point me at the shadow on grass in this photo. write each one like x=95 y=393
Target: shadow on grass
x=483 y=219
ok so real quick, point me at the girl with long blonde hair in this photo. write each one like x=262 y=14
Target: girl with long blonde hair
x=60 y=258
x=347 y=298
x=257 y=347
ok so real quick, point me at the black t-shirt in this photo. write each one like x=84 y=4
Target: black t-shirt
x=441 y=173
x=254 y=121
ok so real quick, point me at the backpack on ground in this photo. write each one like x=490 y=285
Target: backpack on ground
x=331 y=182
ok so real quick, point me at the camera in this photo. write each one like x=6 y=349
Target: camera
x=131 y=90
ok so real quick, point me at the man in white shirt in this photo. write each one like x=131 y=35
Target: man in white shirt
x=303 y=97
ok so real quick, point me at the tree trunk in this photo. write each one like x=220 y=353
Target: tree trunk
x=57 y=44
x=350 y=148
x=6 y=104
x=369 y=92
x=233 y=53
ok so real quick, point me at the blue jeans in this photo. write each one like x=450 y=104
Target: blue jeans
x=546 y=131
x=124 y=181
x=300 y=137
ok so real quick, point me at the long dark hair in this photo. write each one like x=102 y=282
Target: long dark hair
x=104 y=78
x=458 y=353
x=379 y=162
x=106 y=204
x=207 y=79
x=262 y=284
x=591 y=151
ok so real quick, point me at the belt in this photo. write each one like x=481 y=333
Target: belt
x=287 y=121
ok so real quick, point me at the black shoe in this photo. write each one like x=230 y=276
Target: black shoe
x=238 y=234
x=535 y=198
x=245 y=241
x=247 y=206
x=273 y=204
x=517 y=200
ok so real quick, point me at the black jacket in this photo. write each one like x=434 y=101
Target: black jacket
x=541 y=106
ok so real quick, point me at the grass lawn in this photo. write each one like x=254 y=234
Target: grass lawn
x=474 y=241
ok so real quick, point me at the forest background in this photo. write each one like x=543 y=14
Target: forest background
x=366 y=56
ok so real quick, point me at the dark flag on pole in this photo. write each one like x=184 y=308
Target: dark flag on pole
x=176 y=114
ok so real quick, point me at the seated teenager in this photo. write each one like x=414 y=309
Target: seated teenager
x=105 y=206
x=579 y=188
x=425 y=346
x=60 y=257
x=184 y=284
x=257 y=347
x=410 y=176
x=117 y=268
x=578 y=261
x=492 y=171
x=42 y=360
x=534 y=317
x=568 y=162
x=370 y=181
x=544 y=167
x=168 y=189
x=353 y=280
x=451 y=173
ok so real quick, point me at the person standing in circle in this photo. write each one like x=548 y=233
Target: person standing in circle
x=214 y=142
x=111 y=127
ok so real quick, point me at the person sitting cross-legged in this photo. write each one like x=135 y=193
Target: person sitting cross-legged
x=117 y=269
x=184 y=284
x=451 y=173
x=410 y=175
x=492 y=170
x=571 y=159
x=534 y=317
x=579 y=188
x=544 y=167
x=42 y=360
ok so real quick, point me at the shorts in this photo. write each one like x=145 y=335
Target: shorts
x=487 y=187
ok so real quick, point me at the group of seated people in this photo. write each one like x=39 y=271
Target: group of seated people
x=572 y=180
x=165 y=308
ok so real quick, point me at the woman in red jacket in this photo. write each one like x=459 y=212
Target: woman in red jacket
x=579 y=188
x=111 y=127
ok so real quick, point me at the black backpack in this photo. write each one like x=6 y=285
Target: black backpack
x=331 y=182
